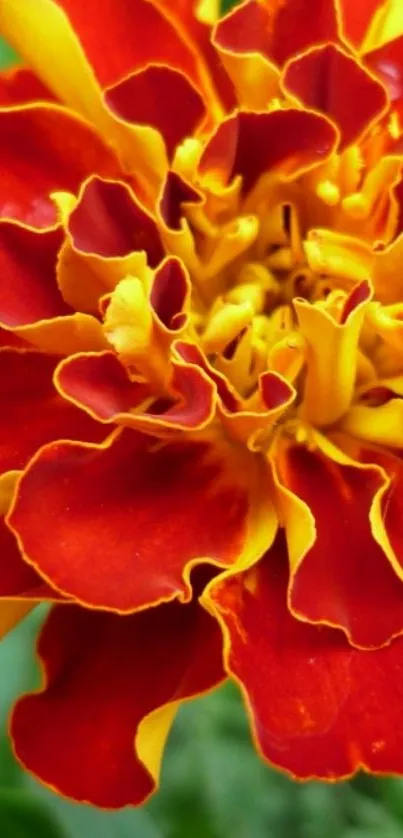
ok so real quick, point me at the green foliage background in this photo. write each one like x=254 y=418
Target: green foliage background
x=213 y=784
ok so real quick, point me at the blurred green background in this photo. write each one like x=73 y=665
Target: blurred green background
x=213 y=784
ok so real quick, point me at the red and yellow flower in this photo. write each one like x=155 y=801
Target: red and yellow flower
x=201 y=311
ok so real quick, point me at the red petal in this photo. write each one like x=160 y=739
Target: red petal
x=20 y=85
x=44 y=149
x=110 y=222
x=28 y=290
x=176 y=192
x=345 y=579
x=192 y=354
x=392 y=501
x=249 y=144
x=119 y=38
x=160 y=97
x=319 y=707
x=330 y=81
x=17 y=578
x=101 y=385
x=277 y=29
x=387 y=63
x=104 y=674
x=124 y=521
x=356 y=17
x=169 y=294
x=199 y=35
x=32 y=411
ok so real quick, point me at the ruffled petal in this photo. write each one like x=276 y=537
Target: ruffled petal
x=31 y=305
x=102 y=386
x=109 y=221
x=121 y=37
x=19 y=583
x=332 y=359
x=328 y=80
x=97 y=731
x=33 y=413
x=197 y=29
x=128 y=520
x=250 y=144
x=319 y=708
x=159 y=97
x=110 y=235
x=344 y=578
x=44 y=148
x=278 y=29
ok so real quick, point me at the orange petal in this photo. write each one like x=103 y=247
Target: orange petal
x=96 y=731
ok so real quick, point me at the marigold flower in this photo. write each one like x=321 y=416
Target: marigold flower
x=201 y=311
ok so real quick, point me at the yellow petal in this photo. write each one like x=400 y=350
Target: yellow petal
x=386 y=25
x=42 y=35
x=382 y=424
x=65 y=335
x=331 y=361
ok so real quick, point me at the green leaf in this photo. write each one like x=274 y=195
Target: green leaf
x=21 y=816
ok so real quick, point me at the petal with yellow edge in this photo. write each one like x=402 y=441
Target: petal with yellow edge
x=118 y=38
x=319 y=708
x=387 y=63
x=33 y=413
x=170 y=506
x=152 y=96
x=111 y=686
x=102 y=386
x=31 y=305
x=392 y=500
x=332 y=341
x=18 y=580
x=345 y=577
x=28 y=278
x=109 y=234
x=356 y=18
x=20 y=85
x=195 y=18
x=45 y=148
x=328 y=80
x=250 y=144
x=109 y=221
x=278 y=28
